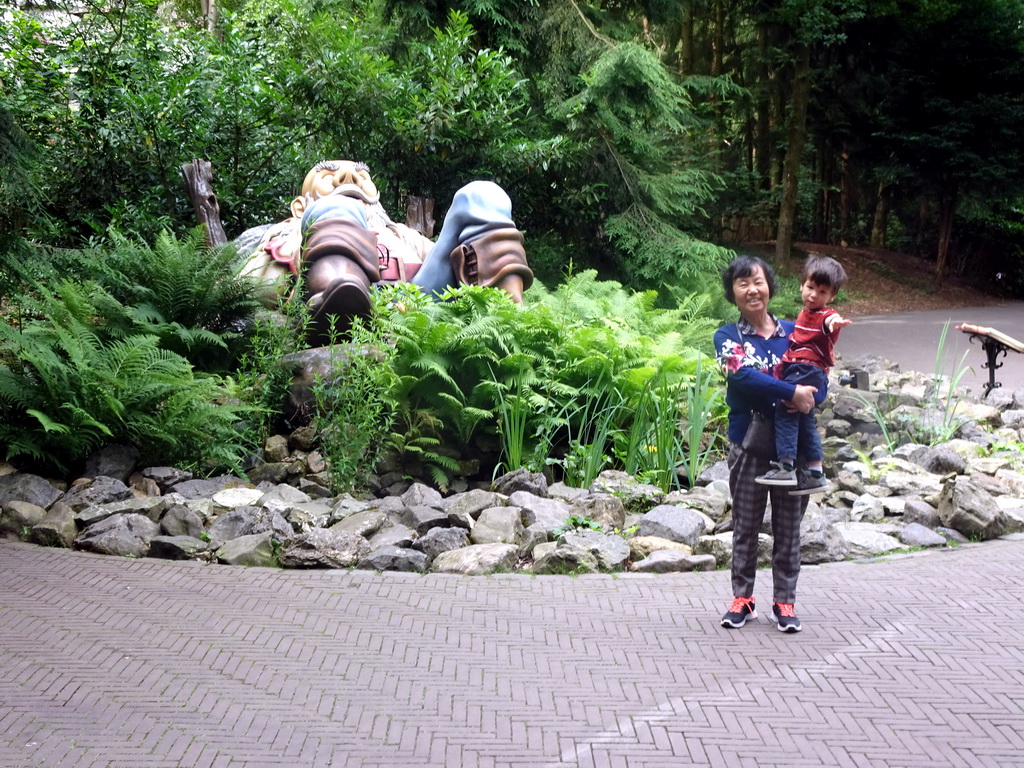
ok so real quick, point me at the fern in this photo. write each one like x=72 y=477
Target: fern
x=66 y=389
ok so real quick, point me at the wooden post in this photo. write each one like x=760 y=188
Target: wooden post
x=419 y=214
x=198 y=178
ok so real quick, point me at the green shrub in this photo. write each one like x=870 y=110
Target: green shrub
x=557 y=380
x=67 y=388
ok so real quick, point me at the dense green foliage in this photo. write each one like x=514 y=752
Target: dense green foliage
x=67 y=388
x=527 y=385
x=637 y=141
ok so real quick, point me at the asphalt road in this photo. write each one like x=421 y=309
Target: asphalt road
x=912 y=340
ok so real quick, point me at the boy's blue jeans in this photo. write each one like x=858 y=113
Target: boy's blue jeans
x=796 y=434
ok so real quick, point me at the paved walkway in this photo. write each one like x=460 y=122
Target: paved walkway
x=912 y=339
x=910 y=661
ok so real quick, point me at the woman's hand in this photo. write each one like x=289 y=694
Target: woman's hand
x=803 y=399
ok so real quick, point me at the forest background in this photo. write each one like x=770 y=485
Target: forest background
x=639 y=142
x=634 y=138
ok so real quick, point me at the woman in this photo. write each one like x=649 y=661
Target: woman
x=748 y=351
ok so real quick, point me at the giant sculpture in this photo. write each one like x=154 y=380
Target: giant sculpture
x=342 y=242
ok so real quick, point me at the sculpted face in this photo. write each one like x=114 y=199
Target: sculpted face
x=336 y=177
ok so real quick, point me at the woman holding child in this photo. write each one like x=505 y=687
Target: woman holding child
x=748 y=351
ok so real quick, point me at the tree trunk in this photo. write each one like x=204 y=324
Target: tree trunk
x=794 y=151
x=822 y=158
x=763 y=131
x=880 y=222
x=717 y=37
x=947 y=212
x=419 y=214
x=210 y=13
x=198 y=178
x=845 y=196
x=923 y=210
x=686 y=38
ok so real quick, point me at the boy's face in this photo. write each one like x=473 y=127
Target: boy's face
x=816 y=296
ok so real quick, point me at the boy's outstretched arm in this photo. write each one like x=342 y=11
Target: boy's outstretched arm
x=835 y=322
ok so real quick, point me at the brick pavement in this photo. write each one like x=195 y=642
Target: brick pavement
x=909 y=661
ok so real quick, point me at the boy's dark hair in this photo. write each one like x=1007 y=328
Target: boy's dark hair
x=744 y=266
x=824 y=270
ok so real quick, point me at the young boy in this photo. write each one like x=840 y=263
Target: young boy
x=807 y=361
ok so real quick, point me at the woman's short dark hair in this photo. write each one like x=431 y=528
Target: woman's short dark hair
x=824 y=270
x=745 y=266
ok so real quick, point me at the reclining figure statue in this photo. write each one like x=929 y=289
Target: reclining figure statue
x=340 y=239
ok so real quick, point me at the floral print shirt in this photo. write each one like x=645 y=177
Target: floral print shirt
x=748 y=360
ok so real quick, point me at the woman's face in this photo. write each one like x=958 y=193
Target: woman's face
x=751 y=293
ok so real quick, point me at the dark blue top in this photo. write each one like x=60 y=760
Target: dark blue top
x=748 y=360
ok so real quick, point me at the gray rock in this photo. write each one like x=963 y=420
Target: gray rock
x=438 y=540
x=907 y=484
x=641 y=547
x=391 y=558
x=389 y=505
x=865 y=540
x=420 y=495
x=306 y=516
x=30 y=488
x=551 y=513
x=673 y=561
x=565 y=493
x=533 y=535
x=821 y=542
x=275 y=448
x=477 y=559
x=57 y=529
x=917 y=511
x=719 y=546
x=245 y=521
x=610 y=550
x=719 y=471
x=521 y=480
x=166 y=477
x=396 y=534
x=972 y=511
x=565 y=559
x=707 y=500
x=177 y=547
x=364 y=524
x=636 y=496
x=119 y=535
x=207 y=488
x=346 y=506
x=917 y=535
x=16 y=517
x=152 y=507
x=179 y=520
x=867 y=509
x=673 y=523
x=603 y=508
x=116 y=461
x=422 y=518
x=254 y=550
x=323 y=548
x=275 y=472
x=941 y=460
x=472 y=503
x=498 y=525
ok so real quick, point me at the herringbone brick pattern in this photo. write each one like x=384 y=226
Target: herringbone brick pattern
x=912 y=661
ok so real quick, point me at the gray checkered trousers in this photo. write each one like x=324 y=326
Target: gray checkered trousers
x=749 y=500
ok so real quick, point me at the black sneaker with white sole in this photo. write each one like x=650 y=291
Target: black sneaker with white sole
x=783 y=616
x=808 y=484
x=740 y=612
